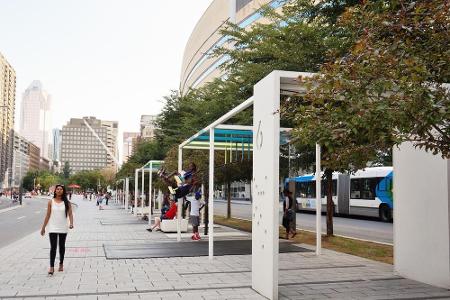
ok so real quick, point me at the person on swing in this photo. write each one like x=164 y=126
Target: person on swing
x=183 y=183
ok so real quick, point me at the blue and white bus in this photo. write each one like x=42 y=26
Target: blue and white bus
x=367 y=192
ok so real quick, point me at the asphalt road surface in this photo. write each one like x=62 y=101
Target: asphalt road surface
x=20 y=222
x=356 y=228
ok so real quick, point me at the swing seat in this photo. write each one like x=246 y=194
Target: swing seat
x=171 y=225
x=172 y=190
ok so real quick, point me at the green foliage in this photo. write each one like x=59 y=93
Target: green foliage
x=28 y=180
x=299 y=39
x=44 y=179
x=88 y=179
x=388 y=89
x=66 y=170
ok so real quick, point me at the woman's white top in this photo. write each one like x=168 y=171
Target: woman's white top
x=58 y=220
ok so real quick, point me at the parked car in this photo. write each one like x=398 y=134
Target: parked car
x=27 y=195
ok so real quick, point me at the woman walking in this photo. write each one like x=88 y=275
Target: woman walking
x=58 y=210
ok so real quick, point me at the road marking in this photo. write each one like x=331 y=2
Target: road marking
x=21 y=217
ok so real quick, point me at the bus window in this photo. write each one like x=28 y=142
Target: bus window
x=324 y=188
x=368 y=186
x=306 y=189
x=355 y=188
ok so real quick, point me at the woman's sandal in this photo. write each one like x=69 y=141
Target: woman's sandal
x=51 y=271
x=61 y=268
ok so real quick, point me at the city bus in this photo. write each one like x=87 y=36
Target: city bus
x=367 y=192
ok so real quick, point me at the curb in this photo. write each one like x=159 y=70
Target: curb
x=343 y=236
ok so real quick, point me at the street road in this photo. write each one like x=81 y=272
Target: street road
x=19 y=222
x=356 y=228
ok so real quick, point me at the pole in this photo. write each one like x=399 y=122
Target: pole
x=318 y=203
x=136 y=190
x=289 y=160
x=150 y=195
x=142 y=192
x=127 y=192
x=211 y=195
x=179 y=205
x=20 y=178
x=124 y=192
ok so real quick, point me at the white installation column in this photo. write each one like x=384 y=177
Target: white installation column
x=211 y=196
x=266 y=192
x=150 y=194
x=318 y=202
x=421 y=189
x=136 y=190
x=179 y=205
x=143 y=191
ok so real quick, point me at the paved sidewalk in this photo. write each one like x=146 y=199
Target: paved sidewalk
x=89 y=275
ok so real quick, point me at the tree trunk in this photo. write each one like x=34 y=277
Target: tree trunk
x=330 y=204
x=228 y=200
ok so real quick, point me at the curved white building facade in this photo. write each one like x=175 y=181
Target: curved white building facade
x=198 y=66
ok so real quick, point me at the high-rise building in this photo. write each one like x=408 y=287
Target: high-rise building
x=7 y=107
x=112 y=131
x=83 y=149
x=199 y=66
x=21 y=159
x=35 y=156
x=129 y=139
x=148 y=126
x=56 y=144
x=35 y=117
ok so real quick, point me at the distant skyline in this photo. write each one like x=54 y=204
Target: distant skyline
x=111 y=59
x=35 y=116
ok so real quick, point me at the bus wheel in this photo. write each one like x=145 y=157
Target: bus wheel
x=384 y=213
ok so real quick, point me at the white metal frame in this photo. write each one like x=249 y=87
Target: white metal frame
x=265 y=220
x=143 y=169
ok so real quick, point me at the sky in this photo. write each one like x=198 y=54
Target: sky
x=112 y=59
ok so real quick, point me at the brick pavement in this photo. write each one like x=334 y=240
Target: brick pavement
x=89 y=275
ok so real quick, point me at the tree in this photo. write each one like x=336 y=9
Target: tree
x=299 y=39
x=386 y=90
x=86 y=179
x=46 y=180
x=66 y=170
x=28 y=180
x=390 y=88
x=238 y=170
x=109 y=175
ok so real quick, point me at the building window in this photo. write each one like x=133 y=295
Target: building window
x=241 y=3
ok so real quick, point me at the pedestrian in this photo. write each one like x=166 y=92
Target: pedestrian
x=165 y=205
x=170 y=214
x=58 y=210
x=100 y=199
x=196 y=205
x=107 y=196
x=289 y=214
